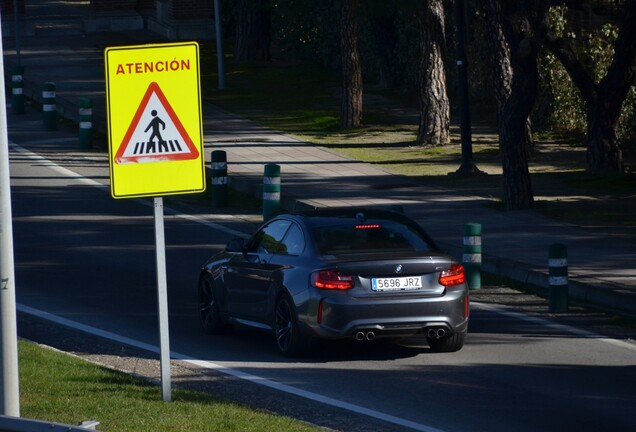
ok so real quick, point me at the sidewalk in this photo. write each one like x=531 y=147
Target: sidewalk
x=602 y=270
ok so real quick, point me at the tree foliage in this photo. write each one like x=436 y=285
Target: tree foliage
x=253 y=30
x=603 y=97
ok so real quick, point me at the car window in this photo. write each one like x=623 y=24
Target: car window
x=351 y=237
x=268 y=239
x=294 y=240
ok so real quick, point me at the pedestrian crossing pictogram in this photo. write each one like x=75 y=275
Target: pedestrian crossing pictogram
x=155 y=133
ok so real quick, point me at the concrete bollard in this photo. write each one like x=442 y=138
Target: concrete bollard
x=271 y=191
x=471 y=259
x=85 y=123
x=49 y=110
x=17 y=90
x=558 y=278
x=219 y=178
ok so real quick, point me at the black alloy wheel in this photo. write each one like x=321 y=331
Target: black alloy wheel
x=288 y=338
x=208 y=307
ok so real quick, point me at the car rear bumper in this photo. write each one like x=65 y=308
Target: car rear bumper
x=347 y=317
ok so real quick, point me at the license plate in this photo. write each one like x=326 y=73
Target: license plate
x=396 y=283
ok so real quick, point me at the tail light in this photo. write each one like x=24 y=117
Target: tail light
x=453 y=276
x=331 y=280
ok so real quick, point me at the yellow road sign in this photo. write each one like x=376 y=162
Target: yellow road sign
x=155 y=134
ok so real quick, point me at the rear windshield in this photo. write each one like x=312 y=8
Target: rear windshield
x=384 y=236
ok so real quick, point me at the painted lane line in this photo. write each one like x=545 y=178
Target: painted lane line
x=552 y=325
x=55 y=167
x=106 y=188
x=227 y=371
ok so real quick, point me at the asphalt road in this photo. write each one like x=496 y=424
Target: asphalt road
x=85 y=257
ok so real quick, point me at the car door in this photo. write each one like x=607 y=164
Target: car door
x=249 y=275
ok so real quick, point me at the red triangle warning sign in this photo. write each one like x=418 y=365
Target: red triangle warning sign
x=155 y=133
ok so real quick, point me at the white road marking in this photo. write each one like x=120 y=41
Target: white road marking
x=106 y=188
x=228 y=371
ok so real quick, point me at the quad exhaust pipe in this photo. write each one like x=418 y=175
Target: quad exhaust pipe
x=431 y=333
x=361 y=336
x=436 y=333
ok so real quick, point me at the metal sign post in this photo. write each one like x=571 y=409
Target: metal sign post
x=9 y=384
x=162 y=298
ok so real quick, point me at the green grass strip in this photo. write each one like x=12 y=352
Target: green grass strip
x=60 y=388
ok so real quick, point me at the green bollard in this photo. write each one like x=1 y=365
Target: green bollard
x=85 y=123
x=49 y=110
x=471 y=259
x=17 y=90
x=219 y=178
x=558 y=278
x=271 y=191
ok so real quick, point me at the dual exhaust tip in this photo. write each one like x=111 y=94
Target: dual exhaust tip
x=435 y=333
x=364 y=335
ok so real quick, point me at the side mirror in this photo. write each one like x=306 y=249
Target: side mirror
x=235 y=245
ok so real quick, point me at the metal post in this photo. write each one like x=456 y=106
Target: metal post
x=471 y=258
x=16 y=30
x=219 y=44
x=9 y=384
x=558 y=278
x=219 y=178
x=162 y=296
x=468 y=167
x=271 y=191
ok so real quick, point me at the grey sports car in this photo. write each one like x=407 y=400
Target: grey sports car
x=338 y=273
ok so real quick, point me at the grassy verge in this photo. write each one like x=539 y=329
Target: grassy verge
x=60 y=388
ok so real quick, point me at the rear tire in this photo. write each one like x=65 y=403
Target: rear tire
x=211 y=321
x=289 y=341
x=450 y=343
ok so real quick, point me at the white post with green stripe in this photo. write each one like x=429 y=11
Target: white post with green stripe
x=49 y=109
x=85 y=123
x=271 y=191
x=219 y=182
x=17 y=90
x=471 y=258
x=558 y=278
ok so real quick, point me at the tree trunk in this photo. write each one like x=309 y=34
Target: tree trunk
x=517 y=186
x=351 y=116
x=604 y=154
x=434 y=128
x=502 y=75
x=253 y=30
x=515 y=85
